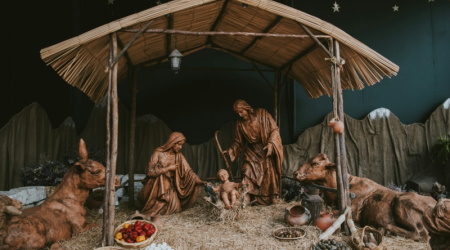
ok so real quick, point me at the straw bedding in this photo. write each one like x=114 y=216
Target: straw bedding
x=198 y=228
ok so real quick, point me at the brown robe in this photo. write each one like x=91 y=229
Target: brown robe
x=262 y=173
x=171 y=192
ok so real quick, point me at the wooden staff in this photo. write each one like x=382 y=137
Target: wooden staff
x=222 y=154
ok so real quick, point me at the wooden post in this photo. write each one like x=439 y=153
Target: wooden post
x=132 y=139
x=337 y=105
x=275 y=99
x=341 y=114
x=114 y=146
x=337 y=160
x=343 y=148
x=113 y=120
x=276 y=114
x=108 y=155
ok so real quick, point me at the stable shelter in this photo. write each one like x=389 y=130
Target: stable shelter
x=316 y=54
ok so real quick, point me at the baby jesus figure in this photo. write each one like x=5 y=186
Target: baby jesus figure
x=227 y=190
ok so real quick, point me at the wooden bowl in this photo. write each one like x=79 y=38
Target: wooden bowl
x=289 y=233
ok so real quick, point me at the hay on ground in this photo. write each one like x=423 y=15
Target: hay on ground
x=195 y=228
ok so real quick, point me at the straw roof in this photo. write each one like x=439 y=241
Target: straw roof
x=261 y=31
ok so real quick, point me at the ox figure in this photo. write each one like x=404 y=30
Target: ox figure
x=60 y=215
x=404 y=214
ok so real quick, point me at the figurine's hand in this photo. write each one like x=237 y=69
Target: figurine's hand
x=269 y=149
x=232 y=157
x=200 y=182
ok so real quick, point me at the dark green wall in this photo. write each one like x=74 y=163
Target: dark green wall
x=416 y=38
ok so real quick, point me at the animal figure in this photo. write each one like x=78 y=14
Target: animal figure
x=60 y=215
x=8 y=208
x=405 y=214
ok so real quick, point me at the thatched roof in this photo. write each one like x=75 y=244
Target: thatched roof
x=284 y=44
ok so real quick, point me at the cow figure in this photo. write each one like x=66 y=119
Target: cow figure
x=404 y=214
x=62 y=214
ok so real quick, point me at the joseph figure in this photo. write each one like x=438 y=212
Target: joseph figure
x=258 y=139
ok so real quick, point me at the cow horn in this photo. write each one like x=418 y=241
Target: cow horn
x=12 y=210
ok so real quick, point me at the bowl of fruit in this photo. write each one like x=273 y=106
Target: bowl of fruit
x=135 y=233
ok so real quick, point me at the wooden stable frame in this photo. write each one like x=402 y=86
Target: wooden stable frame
x=112 y=133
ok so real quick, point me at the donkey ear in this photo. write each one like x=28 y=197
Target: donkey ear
x=82 y=151
x=81 y=166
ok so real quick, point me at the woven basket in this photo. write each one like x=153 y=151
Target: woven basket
x=358 y=236
x=278 y=233
x=136 y=245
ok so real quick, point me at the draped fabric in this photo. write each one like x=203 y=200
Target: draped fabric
x=168 y=192
x=380 y=148
x=262 y=173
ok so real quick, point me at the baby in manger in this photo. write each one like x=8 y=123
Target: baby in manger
x=227 y=190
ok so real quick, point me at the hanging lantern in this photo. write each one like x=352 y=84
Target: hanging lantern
x=175 y=60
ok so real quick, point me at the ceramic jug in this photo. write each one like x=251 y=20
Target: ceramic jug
x=325 y=220
x=297 y=215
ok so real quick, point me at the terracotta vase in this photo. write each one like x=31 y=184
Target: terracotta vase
x=297 y=215
x=338 y=126
x=324 y=221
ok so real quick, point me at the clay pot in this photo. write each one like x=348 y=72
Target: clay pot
x=324 y=221
x=95 y=199
x=338 y=126
x=297 y=215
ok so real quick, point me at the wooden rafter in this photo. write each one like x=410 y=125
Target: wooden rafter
x=306 y=29
x=266 y=30
x=169 y=18
x=299 y=56
x=218 y=18
x=120 y=44
x=114 y=61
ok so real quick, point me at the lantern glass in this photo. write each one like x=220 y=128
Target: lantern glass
x=175 y=60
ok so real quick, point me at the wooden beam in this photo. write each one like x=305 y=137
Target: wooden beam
x=120 y=44
x=266 y=30
x=223 y=33
x=131 y=167
x=314 y=37
x=116 y=58
x=112 y=145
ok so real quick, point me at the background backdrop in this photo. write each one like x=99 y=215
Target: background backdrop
x=41 y=114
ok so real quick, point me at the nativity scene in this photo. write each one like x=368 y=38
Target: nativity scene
x=221 y=125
